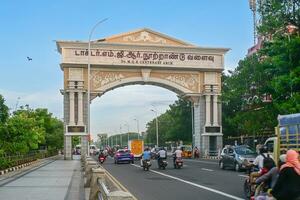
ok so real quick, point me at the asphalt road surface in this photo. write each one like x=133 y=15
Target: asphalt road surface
x=197 y=180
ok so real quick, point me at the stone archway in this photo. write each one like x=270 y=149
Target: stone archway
x=144 y=57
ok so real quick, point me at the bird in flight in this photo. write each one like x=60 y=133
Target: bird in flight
x=29 y=59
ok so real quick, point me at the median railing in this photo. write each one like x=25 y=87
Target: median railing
x=102 y=185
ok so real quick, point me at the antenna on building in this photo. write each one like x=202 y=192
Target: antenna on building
x=252 y=4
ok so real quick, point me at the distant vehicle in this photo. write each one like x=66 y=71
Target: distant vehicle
x=287 y=135
x=187 y=151
x=93 y=149
x=235 y=156
x=136 y=147
x=77 y=149
x=123 y=155
x=154 y=152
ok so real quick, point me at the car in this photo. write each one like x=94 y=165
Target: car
x=123 y=155
x=234 y=157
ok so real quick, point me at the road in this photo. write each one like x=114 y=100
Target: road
x=198 y=179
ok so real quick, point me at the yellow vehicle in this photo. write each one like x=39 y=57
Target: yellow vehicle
x=287 y=135
x=187 y=151
x=136 y=147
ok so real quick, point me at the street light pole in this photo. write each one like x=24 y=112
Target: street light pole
x=88 y=82
x=121 y=135
x=127 y=131
x=138 y=127
x=156 y=123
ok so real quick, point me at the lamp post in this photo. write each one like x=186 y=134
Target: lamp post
x=138 y=127
x=89 y=74
x=156 y=123
x=126 y=124
x=121 y=135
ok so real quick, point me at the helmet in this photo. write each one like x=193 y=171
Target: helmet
x=263 y=149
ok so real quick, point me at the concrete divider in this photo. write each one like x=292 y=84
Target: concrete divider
x=88 y=171
x=103 y=185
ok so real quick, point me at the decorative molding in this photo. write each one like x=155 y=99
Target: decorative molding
x=76 y=74
x=146 y=74
x=189 y=81
x=101 y=78
x=145 y=37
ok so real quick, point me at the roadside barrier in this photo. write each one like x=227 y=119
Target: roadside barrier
x=103 y=186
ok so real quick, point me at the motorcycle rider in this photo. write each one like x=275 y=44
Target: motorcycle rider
x=177 y=154
x=146 y=156
x=101 y=155
x=162 y=155
x=259 y=162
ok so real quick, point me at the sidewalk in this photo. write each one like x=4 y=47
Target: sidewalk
x=54 y=180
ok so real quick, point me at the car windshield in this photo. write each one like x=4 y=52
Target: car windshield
x=244 y=151
x=123 y=151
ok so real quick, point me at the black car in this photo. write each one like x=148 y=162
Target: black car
x=234 y=157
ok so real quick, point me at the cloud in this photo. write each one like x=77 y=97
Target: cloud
x=51 y=99
x=108 y=112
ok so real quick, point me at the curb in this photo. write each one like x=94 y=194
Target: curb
x=2 y=172
x=15 y=168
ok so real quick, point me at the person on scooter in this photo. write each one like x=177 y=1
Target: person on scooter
x=177 y=154
x=101 y=155
x=196 y=152
x=146 y=156
x=287 y=185
x=162 y=155
x=259 y=162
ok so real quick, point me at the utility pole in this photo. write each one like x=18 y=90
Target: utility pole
x=252 y=4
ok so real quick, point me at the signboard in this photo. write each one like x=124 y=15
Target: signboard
x=75 y=130
x=141 y=57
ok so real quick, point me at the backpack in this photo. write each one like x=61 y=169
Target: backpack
x=268 y=164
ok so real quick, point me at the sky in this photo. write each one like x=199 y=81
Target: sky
x=30 y=28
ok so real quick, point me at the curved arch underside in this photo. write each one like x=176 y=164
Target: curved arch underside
x=179 y=90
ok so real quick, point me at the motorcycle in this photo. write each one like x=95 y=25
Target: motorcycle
x=102 y=159
x=249 y=189
x=178 y=163
x=146 y=165
x=162 y=164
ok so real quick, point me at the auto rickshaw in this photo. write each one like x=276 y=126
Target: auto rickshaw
x=186 y=151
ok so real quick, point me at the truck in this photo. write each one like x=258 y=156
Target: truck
x=287 y=135
x=136 y=147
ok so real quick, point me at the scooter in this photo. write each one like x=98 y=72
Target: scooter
x=102 y=159
x=249 y=189
x=146 y=165
x=178 y=163
x=162 y=164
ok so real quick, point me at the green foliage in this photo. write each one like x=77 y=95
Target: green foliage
x=274 y=70
x=174 y=125
x=3 y=111
x=27 y=129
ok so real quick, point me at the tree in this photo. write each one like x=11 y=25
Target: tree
x=174 y=125
x=274 y=71
x=3 y=111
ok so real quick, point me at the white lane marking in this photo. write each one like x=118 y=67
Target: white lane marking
x=210 y=170
x=200 y=161
x=245 y=176
x=194 y=184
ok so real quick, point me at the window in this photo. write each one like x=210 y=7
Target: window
x=230 y=151
x=225 y=151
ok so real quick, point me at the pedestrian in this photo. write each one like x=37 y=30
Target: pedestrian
x=196 y=153
x=287 y=186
